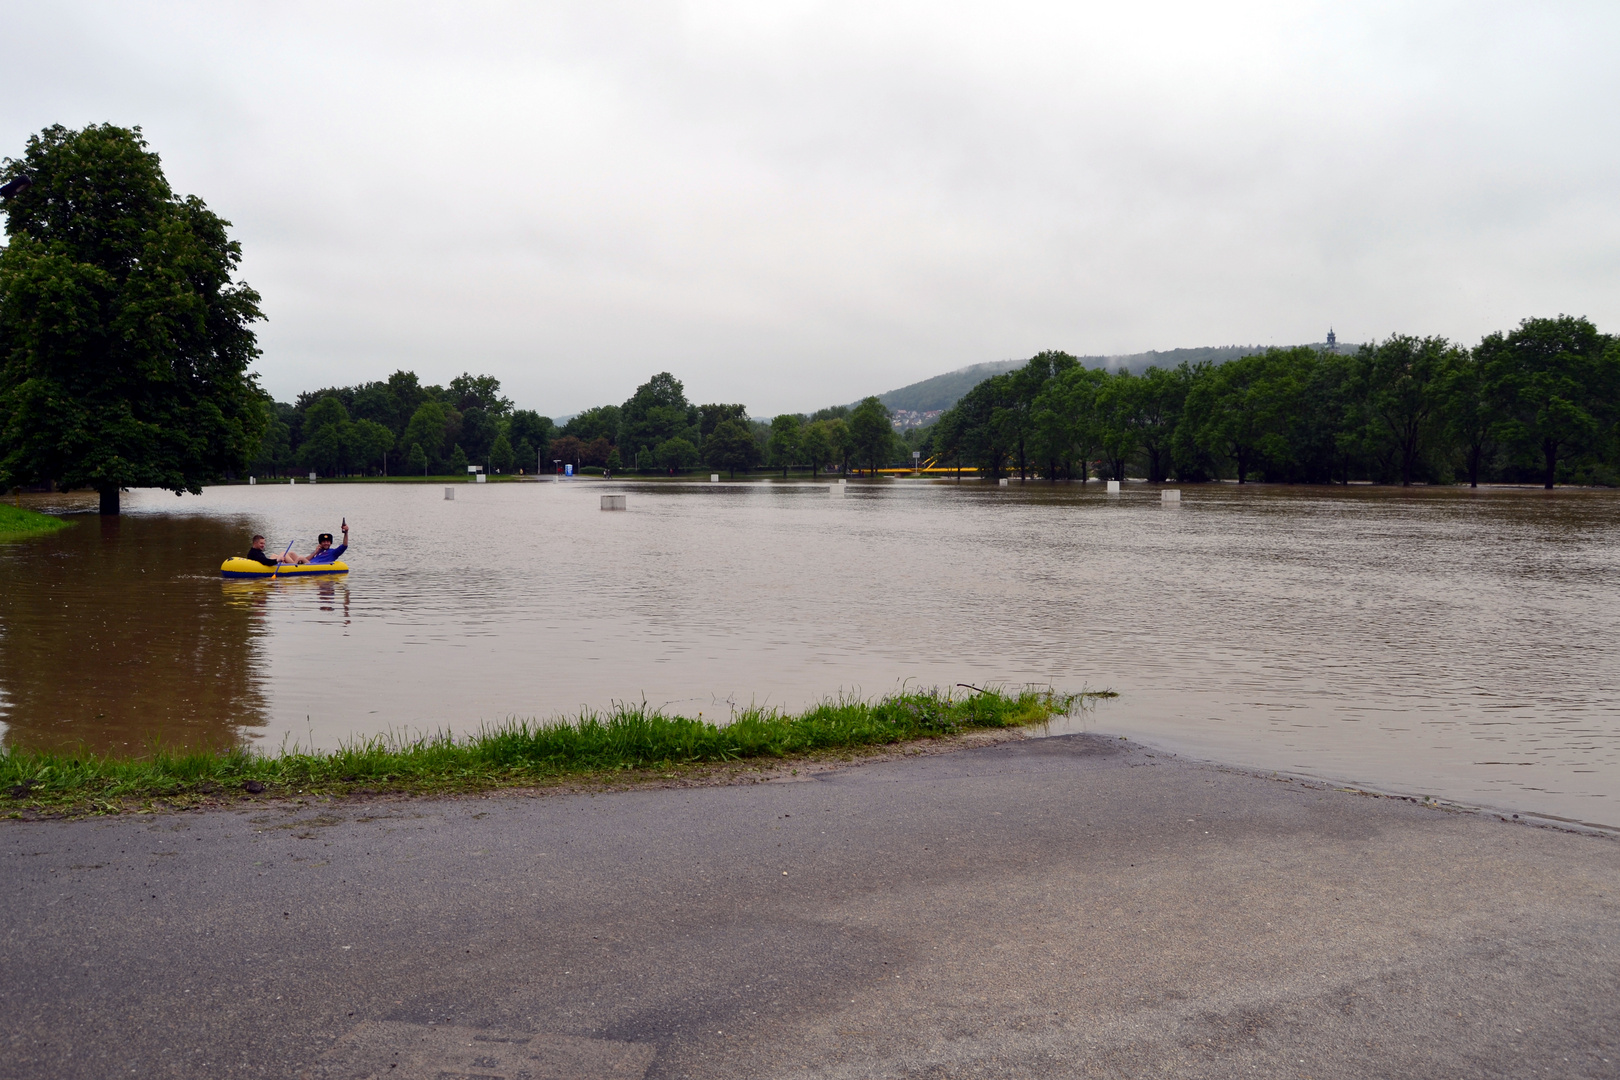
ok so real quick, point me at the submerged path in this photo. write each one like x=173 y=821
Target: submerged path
x=1060 y=907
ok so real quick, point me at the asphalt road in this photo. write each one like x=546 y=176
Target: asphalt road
x=1051 y=908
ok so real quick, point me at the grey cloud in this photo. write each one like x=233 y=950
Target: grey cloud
x=796 y=204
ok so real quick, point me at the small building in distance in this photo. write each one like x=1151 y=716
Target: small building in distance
x=904 y=419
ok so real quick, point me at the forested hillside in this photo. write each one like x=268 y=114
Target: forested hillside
x=943 y=391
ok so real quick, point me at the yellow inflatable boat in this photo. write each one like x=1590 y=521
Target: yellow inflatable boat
x=248 y=568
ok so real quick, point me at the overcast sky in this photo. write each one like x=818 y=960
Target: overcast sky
x=796 y=204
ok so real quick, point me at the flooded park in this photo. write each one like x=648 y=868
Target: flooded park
x=1445 y=642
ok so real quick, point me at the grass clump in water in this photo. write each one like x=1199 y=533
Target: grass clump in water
x=627 y=740
x=16 y=523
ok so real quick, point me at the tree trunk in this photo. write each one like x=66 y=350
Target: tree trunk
x=109 y=500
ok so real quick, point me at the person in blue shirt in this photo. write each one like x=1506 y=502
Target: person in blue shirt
x=324 y=551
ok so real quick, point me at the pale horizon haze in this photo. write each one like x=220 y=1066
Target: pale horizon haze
x=796 y=204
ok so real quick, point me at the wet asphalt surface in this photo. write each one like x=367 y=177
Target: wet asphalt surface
x=1062 y=907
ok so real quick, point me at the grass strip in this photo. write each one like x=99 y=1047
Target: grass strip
x=617 y=744
x=16 y=523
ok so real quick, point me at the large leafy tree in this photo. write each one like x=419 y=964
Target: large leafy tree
x=1119 y=432
x=601 y=422
x=1063 y=422
x=873 y=432
x=787 y=441
x=376 y=402
x=1473 y=415
x=468 y=391
x=1329 y=419
x=975 y=429
x=1024 y=386
x=1240 y=409
x=326 y=447
x=124 y=338
x=530 y=427
x=275 y=445
x=815 y=445
x=1406 y=380
x=501 y=455
x=1160 y=395
x=657 y=412
x=1555 y=383
x=731 y=446
x=713 y=415
x=478 y=431
x=826 y=441
x=426 y=429
x=675 y=454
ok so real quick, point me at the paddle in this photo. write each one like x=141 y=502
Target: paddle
x=277 y=570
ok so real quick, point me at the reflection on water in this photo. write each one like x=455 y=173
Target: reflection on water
x=1455 y=643
x=114 y=636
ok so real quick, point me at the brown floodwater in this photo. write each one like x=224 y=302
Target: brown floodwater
x=1444 y=642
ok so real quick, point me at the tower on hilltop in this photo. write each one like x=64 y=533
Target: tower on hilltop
x=1332 y=341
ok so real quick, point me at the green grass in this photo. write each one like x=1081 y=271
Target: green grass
x=15 y=522
x=630 y=742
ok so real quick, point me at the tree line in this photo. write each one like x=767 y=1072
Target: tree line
x=1539 y=403
x=658 y=431
x=402 y=426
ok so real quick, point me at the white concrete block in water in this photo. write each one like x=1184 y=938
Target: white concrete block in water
x=613 y=502
x=252 y=480
x=1113 y=487
x=450 y=493
x=1005 y=482
x=714 y=478
x=292 y=479
x=1170 y=495
x=480 y=478
x=843 y=481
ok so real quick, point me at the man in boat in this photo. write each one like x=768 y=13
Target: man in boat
x=324 y=551
x=256 y=553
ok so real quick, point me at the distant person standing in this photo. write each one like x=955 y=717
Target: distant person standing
x=324 y=551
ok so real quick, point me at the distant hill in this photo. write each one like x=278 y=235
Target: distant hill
x=943 y=391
